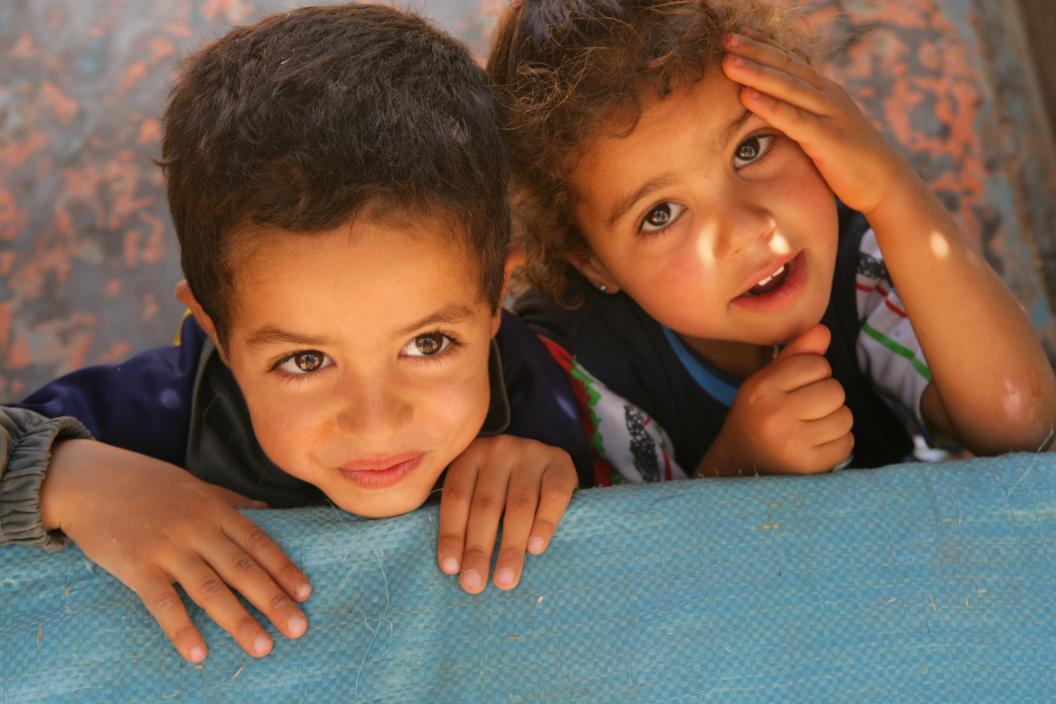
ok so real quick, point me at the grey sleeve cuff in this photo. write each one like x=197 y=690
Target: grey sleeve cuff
x=26 y=439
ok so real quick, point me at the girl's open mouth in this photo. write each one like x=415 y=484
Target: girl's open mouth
x=777 y=289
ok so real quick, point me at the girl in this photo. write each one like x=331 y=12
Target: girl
x=717 y=235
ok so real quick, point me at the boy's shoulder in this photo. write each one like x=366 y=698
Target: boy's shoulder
x=537 y=393
x=141 y=404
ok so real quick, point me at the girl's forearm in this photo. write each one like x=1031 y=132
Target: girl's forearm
x=991 y=373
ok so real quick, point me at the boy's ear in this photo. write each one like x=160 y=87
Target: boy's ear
x=588 y=264
x=514 y=260
x=184 y=296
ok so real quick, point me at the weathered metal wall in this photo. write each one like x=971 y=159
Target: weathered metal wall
x=88 y=260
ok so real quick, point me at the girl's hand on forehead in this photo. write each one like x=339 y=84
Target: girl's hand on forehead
x=789 y=94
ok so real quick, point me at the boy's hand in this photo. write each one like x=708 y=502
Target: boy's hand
x=852 y=157
x=152 y=524
x=787 y=418
x=526 y=482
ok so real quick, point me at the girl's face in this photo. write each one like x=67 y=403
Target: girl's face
x=716 y=224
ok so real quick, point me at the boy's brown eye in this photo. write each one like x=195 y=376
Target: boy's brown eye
x=308 y=361
x=429 y=345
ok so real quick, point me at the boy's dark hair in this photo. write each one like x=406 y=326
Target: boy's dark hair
x=562 y=67
x=301 y=120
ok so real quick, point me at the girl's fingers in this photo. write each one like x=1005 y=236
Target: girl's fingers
x=165 y=605
x=759 y=50
x=255 y=541
x=559 y=482
x=485 y=510
x=208 y=590
x=831 y=428
x=833 y=453
x=778 y=84
x=816 y=401
x=459 y=483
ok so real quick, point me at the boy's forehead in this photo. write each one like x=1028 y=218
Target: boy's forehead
x=395 y=249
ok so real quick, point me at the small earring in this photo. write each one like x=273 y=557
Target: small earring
x=603 y=288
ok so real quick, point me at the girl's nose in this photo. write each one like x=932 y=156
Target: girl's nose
x=741 y=226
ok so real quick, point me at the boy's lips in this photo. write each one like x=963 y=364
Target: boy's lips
x=380 y=472
x=777 y=285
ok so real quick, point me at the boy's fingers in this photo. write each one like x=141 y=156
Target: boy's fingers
x=455 y=498
x=208 y=590
x=521 y=500
x=236 y=500
x=238 y=568
x=486 y=507
x=255 y=541
x=165 y=605
x=559 y=483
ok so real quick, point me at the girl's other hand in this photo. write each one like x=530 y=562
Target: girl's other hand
x=788 y=418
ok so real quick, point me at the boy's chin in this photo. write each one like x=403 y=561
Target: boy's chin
x=379 y=506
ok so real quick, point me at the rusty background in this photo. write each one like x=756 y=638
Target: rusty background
x=88 y=259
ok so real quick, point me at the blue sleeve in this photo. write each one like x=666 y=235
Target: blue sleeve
x=542 y=406
x=142 y=404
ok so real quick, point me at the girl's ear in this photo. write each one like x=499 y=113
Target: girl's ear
x=595 y=271
x=184 y=296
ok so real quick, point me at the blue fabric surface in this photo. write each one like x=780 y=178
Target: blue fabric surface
x=910 y=583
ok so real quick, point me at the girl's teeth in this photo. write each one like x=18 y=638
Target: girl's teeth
x=770 y=278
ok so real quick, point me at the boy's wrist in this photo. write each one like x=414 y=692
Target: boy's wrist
x=59 y=482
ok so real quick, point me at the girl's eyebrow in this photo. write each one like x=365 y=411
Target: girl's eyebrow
x=624 y=203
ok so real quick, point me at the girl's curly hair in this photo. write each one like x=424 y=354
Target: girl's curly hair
x=564 y=68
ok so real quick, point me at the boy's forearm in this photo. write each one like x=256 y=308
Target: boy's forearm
x=988 y=367
x=27 y=440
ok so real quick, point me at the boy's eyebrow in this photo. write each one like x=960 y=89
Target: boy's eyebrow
x=450 y=314
x=624 y=203
x=270 y=335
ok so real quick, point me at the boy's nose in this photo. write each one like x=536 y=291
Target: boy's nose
x=740 y=225
x=374 y=411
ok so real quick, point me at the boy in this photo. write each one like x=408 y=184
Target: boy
x=337 y=181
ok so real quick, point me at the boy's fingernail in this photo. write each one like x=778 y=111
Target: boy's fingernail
x=449 y=565
x=471 y=578
x=297 y=626
x=732 y=40
x=197 y=653
x=504 y=577
x=304 y=591
x=535 y=545
x=262 y=645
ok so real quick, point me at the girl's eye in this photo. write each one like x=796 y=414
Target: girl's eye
x=428 y=345
x=752 y=149
x=305 y=362
x=661 y=216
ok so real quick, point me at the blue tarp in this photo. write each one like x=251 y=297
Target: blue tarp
x=911 y=583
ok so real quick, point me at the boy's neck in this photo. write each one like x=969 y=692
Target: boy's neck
x=741 y=359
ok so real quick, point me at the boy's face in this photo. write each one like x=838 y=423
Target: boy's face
x=362 y=353
x=697 y=207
